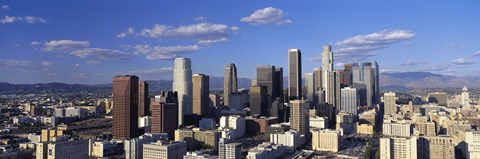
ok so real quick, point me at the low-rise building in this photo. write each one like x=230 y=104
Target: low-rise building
x=164 y=150
x=325 y=140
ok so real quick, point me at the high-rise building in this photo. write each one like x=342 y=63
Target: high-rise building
x=266 y=77
x=278 y=110
x=338 y=87
x=389 y=103
x=143 y=105
x=233 y=150
x=347 y=75
x=317 y=74
x=125 y=112
x=349 y=100
x=436 y=147
x=221 y=147
x=201 y=91
x=330 y=88
x=214 y=99
x=472 y=138
x=366 y=76
x=258 y=100
x=398 y=148
x=290 y=139
x=279 y=83
x=74 y=149
x=439 y=98
x=310 y=88
x=325 y=140
x=164 y=150
x=294 y=74
x=397 y=129
x=327 y=63
x=299 y=116
x=230 y=84
x=182 y=84
x=465 y=98
x=165 y=113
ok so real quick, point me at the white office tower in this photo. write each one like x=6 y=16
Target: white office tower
x=398 y=148
x=266 y=150
x=472 y=138
x=165 y=150
x=327 y=64
x=232 y=126
x=182 y=84
x=233 y=150
x=465 y=97
x=349 y=100
x=397 y=129
x=134 y=147
x=290 y=139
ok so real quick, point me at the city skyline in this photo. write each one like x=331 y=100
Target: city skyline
x=39 y=46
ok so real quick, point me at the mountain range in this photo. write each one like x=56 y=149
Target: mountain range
x=388 y=81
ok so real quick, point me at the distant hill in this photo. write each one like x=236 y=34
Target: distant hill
x=389 y=81
x=426 y=80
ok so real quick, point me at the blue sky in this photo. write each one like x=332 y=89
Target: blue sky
x=90 y=41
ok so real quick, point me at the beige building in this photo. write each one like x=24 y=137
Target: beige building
x=48 y=134
x=398 y=148
x=472 y=138
x=196 y=136
x=325 y=140
x=299 y=119
x=201 y=91
x=397 y=129
x=164 y=150
x=425 y=129
x=389 y=103
x=71 y=149
x=365 y=129
x=436 y=147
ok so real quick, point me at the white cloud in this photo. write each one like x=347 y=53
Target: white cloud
x=200 y=18
x=463 y=62
x=101 y=53
x=455 y=46
x=164 y=52
x=24 y=65
x=35 y=43
x=5 y=7
x=360 y=47
x=47 y=63
x=434 y=68
x=76 y=65
x=413 y=63
x=212 y=41
x=476 y=53
x=383 y=37
x=26 y=19
x=93 y=62
x=64 y=45
x=268 y=15
x=200 y=31
x=126 y=33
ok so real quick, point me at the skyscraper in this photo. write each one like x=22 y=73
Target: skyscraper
x=330 y=88
x=398 y=147
x=327 y=64
x=294 y=74
x=258 y=100
x=268 y=76
x=165 y=113
x=125 y=112
x=201 y=90
x=317 y=74
x=299 y=116
x=143 y=105
x=465 y=98
x=230 y=84
x=182 y=84
x=366 y=76
x=310 y=88
x=279 y=83
x=389 y=104
x=349 y=100
x=347 y=75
